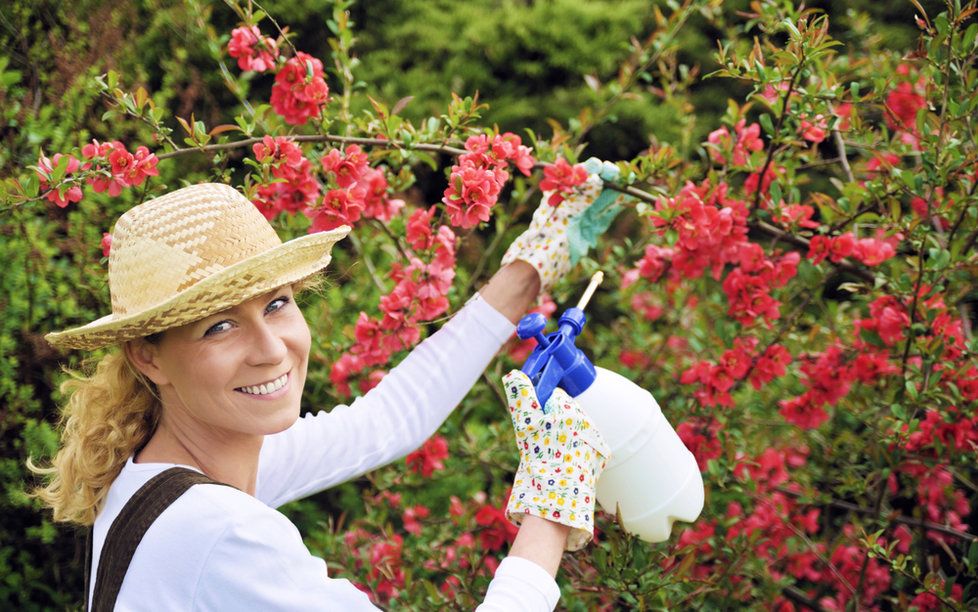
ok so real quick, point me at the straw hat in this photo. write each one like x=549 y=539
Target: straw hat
x=191 y=253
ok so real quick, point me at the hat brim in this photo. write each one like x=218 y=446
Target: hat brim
x=282 y=265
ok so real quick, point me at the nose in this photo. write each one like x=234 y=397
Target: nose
x=267 y=346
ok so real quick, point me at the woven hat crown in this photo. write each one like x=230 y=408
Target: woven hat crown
x=191 y=253
x=172 y=242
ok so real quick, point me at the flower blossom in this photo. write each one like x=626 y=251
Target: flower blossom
x=252 y=50
x=560 y=178
x=429 y=458
x=300 y=91
x=477 y=179
x=45 y=168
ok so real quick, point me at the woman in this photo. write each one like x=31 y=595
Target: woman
x=209 y=375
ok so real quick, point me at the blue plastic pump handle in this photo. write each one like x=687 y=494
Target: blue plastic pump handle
x=556 y=361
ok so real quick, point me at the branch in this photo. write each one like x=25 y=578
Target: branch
x=840 y=145
x=893 y=518
x=786 y=101
x=375 y=142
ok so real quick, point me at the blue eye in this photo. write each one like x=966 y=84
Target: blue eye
x=213 y=329
x=282 y=302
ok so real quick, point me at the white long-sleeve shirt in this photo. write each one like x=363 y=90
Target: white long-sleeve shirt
x=218 y=548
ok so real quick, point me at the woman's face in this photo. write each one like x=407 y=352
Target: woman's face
x=240 y=371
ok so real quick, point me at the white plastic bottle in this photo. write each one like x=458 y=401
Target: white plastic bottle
x=651 y=478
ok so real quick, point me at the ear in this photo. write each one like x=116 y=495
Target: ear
x=144 y=355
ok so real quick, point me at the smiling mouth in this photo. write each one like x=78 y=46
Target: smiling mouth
x=266 y=388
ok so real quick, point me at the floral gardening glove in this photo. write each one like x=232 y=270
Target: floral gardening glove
x=561 y=456
x=559 y=235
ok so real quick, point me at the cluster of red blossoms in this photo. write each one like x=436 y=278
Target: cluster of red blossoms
x=300 y=90
x=296 y=189
x=419 y=294
x=737 y=148
x=107 y=166
x=769 y=521
x=360 y=191
x=379 y=557
x=869 y=251
x=478 y=177
x=252 y=50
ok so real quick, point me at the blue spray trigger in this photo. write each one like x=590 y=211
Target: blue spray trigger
x=556 y=361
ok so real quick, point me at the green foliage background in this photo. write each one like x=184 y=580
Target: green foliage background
x=530 y=60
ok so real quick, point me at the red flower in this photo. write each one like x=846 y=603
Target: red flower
x=337 y=209
x=902 y=105
x=429 y=458
x=412 y=518
x=300 y=91
x=60 y=197
x=497 y=530
x=814 y=130
x=561 y=178
x=106 y=243
x=253 y=51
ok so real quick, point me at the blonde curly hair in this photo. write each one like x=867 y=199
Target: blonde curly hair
x=109 y=415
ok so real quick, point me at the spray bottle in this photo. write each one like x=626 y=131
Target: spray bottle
x=651 y=479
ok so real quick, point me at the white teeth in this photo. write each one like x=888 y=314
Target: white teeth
x=267 y=388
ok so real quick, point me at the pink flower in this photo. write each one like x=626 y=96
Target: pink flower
x=818 y=248
x=278 y=151
x=801 y=411
x=796 y=216
x=300 y=91
x=471 y=193
x=418 y=230
x=61 y=196
x=770 y=365
x=337 y=209
x=412 y=518
x=297 y=190
x=902 y=105
x=376 y=203
x=347 y=167
x=814 y=130
x=874 y=251
x=253 y=51
x=700 y=435
x=106 y=244
x=113 y=167
x=748 y=141
x=561 y=178
x=654 y=262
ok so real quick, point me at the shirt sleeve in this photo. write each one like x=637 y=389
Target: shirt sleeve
x=392 y=419
x=520 y=585
x=260 y=563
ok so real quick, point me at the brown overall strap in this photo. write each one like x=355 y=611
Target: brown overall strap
x=129 y=527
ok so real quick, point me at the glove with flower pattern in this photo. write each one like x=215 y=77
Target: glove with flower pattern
x=553 y=242
x=561 y=456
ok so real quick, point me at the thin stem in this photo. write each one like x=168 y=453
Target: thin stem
x=785 y=103
x=840 y=145
x=376 y=142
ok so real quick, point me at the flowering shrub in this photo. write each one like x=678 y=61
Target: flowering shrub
x=797 y=290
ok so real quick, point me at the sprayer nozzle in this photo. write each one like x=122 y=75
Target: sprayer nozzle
x=591 y=288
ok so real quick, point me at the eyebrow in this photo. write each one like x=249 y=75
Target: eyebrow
x=267 y=296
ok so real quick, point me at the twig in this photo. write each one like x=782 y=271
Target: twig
x=894 y=518
x=786 y=101
x=376 y=142
x=355 y=243
x=811 y=546
x=495 y=389
x=796 y=595
x=840 y=145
